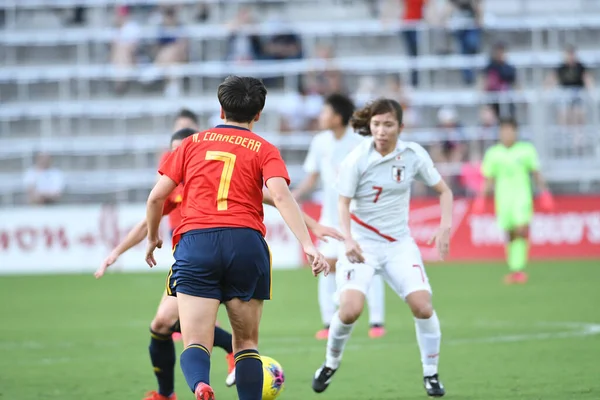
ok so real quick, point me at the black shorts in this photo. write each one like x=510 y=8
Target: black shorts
x=222 y=264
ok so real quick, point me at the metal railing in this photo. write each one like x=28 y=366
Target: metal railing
x=569 y=152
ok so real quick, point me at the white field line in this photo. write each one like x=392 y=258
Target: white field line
x=280 y=345
x=572 y=330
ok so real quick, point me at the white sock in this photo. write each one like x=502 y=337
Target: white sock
x=327 y=288
x=429 y=337
x=339 y=333
x=376 y=301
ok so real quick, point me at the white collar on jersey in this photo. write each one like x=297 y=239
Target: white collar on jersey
x=375 y=157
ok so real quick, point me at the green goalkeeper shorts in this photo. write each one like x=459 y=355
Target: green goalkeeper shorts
x=514 y=212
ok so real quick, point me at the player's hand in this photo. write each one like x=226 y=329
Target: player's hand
x=546 y=201
x=353 y=251
x=322 y=232
x=441 y=238
x=108 y=261
x=317 y=261
x=478 y=205
x=152 y=245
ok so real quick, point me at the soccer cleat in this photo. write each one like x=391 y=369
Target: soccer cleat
x=322 y=378
x=518 y=277
x=154 y=395
x=230 y=380
x=323 y=334
x=433 y=386
x=376 y=331
x=176 y=336
x=204 y=392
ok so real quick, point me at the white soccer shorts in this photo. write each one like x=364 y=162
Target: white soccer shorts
x=399 y=263
x=331 y=249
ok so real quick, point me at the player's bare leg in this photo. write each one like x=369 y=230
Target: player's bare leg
x=517 y=250
x=197 y=316
x=352 y=303
x=429 y=335
x=327 y=289
x=162 y=349
x=245 y=322
x=376 y=306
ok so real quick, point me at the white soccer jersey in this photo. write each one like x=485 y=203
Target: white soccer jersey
x=325 y=155
x=380 y=188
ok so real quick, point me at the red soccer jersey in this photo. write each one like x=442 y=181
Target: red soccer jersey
x=163 y=158
x=172 y=209
x=223 y=171
x=171 y=205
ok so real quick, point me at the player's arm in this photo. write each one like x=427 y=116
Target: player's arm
x=427 y=173
x=277 y=179
x=539 y=181
x=487 y=187
x=488 y=170
x=353 y=250
x=545 y=197
x=346 y=185
x=344 y=214
x=306 y=186
x=291 y=214
x=442 y=237
x=172 y=173
x=154 y=207
x=134 y=237
x=322 y=232
x=446 y=202
x=311 y=167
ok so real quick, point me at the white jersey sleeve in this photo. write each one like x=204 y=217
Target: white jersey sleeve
x=349 y=174
x=425 y=170
x=311 y=163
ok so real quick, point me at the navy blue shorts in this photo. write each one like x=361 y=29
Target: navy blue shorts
x=222 y=264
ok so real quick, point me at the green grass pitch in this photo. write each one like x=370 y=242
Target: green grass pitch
x=72 y=337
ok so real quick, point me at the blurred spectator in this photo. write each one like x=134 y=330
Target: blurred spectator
x=471 y=179
x=468 y=16
x=395 y=88
x=169 y=49
x=499 y=76
x=487 y=129
x=325 y=77
x=283 y=43
x=372 y=5
x=243 y=45
x=573 y=77
x=202 y=12
x=451 y=148
x=78 y=16
x=124 y=46
x=185 y=118
x=300 y=110
x=413 y=14
x=367 y=91
x=44 y=184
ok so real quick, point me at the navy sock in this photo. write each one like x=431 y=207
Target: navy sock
x=162 y=355
x=195 y=364
x=249 y=375
x=223 y=340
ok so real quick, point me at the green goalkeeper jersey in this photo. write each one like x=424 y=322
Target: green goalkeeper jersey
x=511 y=168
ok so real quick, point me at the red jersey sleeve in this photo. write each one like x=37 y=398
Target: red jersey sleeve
x=172 y=166
x=169 y=206
x=163 y=158
x=272 y=165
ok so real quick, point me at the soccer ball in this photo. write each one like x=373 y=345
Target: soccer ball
x=273 y=378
